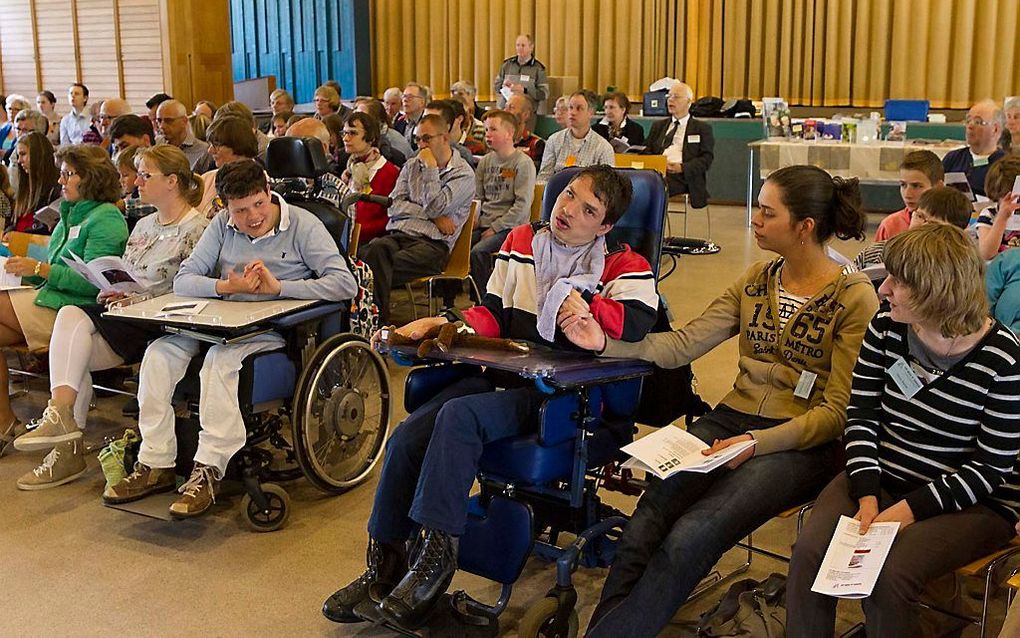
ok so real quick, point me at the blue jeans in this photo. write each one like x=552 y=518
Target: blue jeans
x=481 y=255
x=684 y=524
x=432 y=456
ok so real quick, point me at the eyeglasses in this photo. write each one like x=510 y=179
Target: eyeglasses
x=66 y=175
x=424 y=139
x=168 y=120
x=349 y=132
x=412 y=96
x=976 y=121
x=25 y=130
x=142 y=175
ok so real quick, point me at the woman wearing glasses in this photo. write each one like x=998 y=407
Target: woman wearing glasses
x=90 y=226
x=83 y=340
x=367 y=171
x=230 y=138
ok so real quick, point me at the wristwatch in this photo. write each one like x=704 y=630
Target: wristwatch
x=38 y=267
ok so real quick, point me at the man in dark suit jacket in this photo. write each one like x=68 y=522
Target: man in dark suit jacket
x=688 y=145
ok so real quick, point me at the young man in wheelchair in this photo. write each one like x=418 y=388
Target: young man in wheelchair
x=543 y=273
x=259 y=248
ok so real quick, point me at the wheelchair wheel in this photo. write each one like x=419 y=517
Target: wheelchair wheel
x=537 y=621
x=271 y=519
x=341 y=413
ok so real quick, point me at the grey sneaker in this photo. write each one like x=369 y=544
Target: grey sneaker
x=13 y=430
x=57 y=425
x=63 y=464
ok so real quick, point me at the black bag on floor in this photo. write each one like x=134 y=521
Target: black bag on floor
x=750 y=609
x=708 y=106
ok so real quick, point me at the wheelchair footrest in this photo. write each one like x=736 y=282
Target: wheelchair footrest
x=498 y=539
x=448 y=619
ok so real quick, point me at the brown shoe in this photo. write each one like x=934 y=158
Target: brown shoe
x=8 y=433
x=144 y=481
x=199 y=492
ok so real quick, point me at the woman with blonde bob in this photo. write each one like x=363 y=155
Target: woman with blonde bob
x=84 y=341
x=932 y=436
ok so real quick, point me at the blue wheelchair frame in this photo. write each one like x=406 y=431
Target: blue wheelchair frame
x=550 y=476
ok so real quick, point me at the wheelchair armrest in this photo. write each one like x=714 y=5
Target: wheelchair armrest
x=306 y=314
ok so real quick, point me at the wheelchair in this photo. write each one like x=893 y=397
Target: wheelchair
x=536 y=487
x=327 y=384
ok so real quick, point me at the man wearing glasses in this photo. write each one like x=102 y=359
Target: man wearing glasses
x=110 y=109
x=413 y=101
x=984 y=124
x=431 y=202
x=172 y=125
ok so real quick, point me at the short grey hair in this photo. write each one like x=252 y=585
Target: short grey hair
x=1012 y=103
x=463 y=86
x=393 y=90
x=19 y=101
x=39 y=121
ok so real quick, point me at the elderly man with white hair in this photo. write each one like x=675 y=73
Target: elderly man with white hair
x=687 y=143
x=984 y=124
x=391 y=100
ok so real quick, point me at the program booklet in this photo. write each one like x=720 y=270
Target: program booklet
x=108 y=273
x=853 y=562
x=9 y=281
x=669 y=450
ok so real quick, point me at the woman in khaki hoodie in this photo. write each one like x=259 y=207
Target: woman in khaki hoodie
x=800 y=320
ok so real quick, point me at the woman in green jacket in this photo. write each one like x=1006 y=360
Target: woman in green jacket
x=90 y=226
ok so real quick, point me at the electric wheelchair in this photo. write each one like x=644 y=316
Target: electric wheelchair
x=537 y=486
x=326 y=384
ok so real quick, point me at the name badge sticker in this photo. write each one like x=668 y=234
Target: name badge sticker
x=570 y=161
x=525 y=78
x=74 y=231
x=981 y=161
x=694 y=139
x=805 y=384
x=905 y=378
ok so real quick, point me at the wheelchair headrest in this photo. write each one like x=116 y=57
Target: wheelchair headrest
x=640 y=227
x=296 y=157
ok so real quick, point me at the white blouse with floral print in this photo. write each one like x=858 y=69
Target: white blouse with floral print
x=155 y=251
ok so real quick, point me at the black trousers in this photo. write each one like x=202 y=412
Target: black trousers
x=398 y=258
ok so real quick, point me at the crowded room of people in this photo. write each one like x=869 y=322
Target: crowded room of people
x=603 y=318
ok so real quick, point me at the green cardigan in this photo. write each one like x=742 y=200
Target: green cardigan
x=89 y=229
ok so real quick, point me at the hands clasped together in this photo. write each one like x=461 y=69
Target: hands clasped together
x=254 y=279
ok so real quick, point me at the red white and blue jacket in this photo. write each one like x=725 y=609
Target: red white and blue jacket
x=624 y=304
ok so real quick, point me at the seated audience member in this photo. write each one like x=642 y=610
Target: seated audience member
x=576 y=145
x=446 y=110
x=8 y=133
x=235 y=108
x=280 y=101
x=919 y=171
x=532 y=145
x=6 y=199
x=412 y=102
x=263 y=249
x=327 y=102
x=84 y=341
x=172 y=125
x=206 y=108
x=432 y=456
x=505 y=186
x=110 y=110
x=152 y=104
x=616 y=125
x=993 y=227
x=199 y=126
x=391 y=101
x=431 y=201
x=1002 y=281
x=392 y=145
x=688 y=145
x=134 y=208
x=90 y=226
x=278 y=125
x=367 y=171
x=92 y=136
x=231 y=138
x=800 y=320
x=1012 y=114
x=467 y=93
x=984 y=126
x=77 y=122
x=560 y=110
x=471 y=138
x=38 y=180
x=130 y=130
x=46 y=102
x=335 y=126
x=326 y=187
x=938 y=205
x=933 y=448
x=27 y=121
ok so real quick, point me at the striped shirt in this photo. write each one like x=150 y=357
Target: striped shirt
x=788 y=305
x=424 y=193
x=949 y=446
x=562 y=149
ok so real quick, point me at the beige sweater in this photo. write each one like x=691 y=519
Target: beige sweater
x=823 y=337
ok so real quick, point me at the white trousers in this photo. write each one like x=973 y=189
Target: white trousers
x=76 y=350
x=163 y=366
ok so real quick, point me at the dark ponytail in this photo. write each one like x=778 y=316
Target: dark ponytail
x=833 y=202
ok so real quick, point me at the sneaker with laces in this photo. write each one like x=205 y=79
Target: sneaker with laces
x=144 y=481
x=199 y=492
x=13 y=430
x=57 y=425
x=63 y=464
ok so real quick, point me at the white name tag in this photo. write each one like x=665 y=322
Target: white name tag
x=693 y=139
x=525 y=78
x=73 y=232
x=805 y=384
x=905 y=378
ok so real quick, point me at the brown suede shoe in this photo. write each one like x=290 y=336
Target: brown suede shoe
x=199 y=493
x=144 y=481
x=8 y=433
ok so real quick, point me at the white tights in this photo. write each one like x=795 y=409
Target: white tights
x=77 y=349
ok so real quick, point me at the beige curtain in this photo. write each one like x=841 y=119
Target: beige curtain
x=812 y=52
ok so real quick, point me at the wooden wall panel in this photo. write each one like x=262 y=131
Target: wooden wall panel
x=17 y=53
x=57 y=59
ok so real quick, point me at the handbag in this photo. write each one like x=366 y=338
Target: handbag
x=750 y=609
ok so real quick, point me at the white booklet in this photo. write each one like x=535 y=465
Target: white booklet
x=107 y=273
x=9 y=281
x=669 y=450
x=853 y=562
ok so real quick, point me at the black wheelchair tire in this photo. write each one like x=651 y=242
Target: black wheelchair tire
x=302 y=420
x=536 y=620
x=277 y=517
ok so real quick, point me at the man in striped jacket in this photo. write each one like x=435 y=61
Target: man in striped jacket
x=544 y=274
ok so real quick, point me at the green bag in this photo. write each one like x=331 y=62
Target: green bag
x=119 y=456
x=750 y=609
